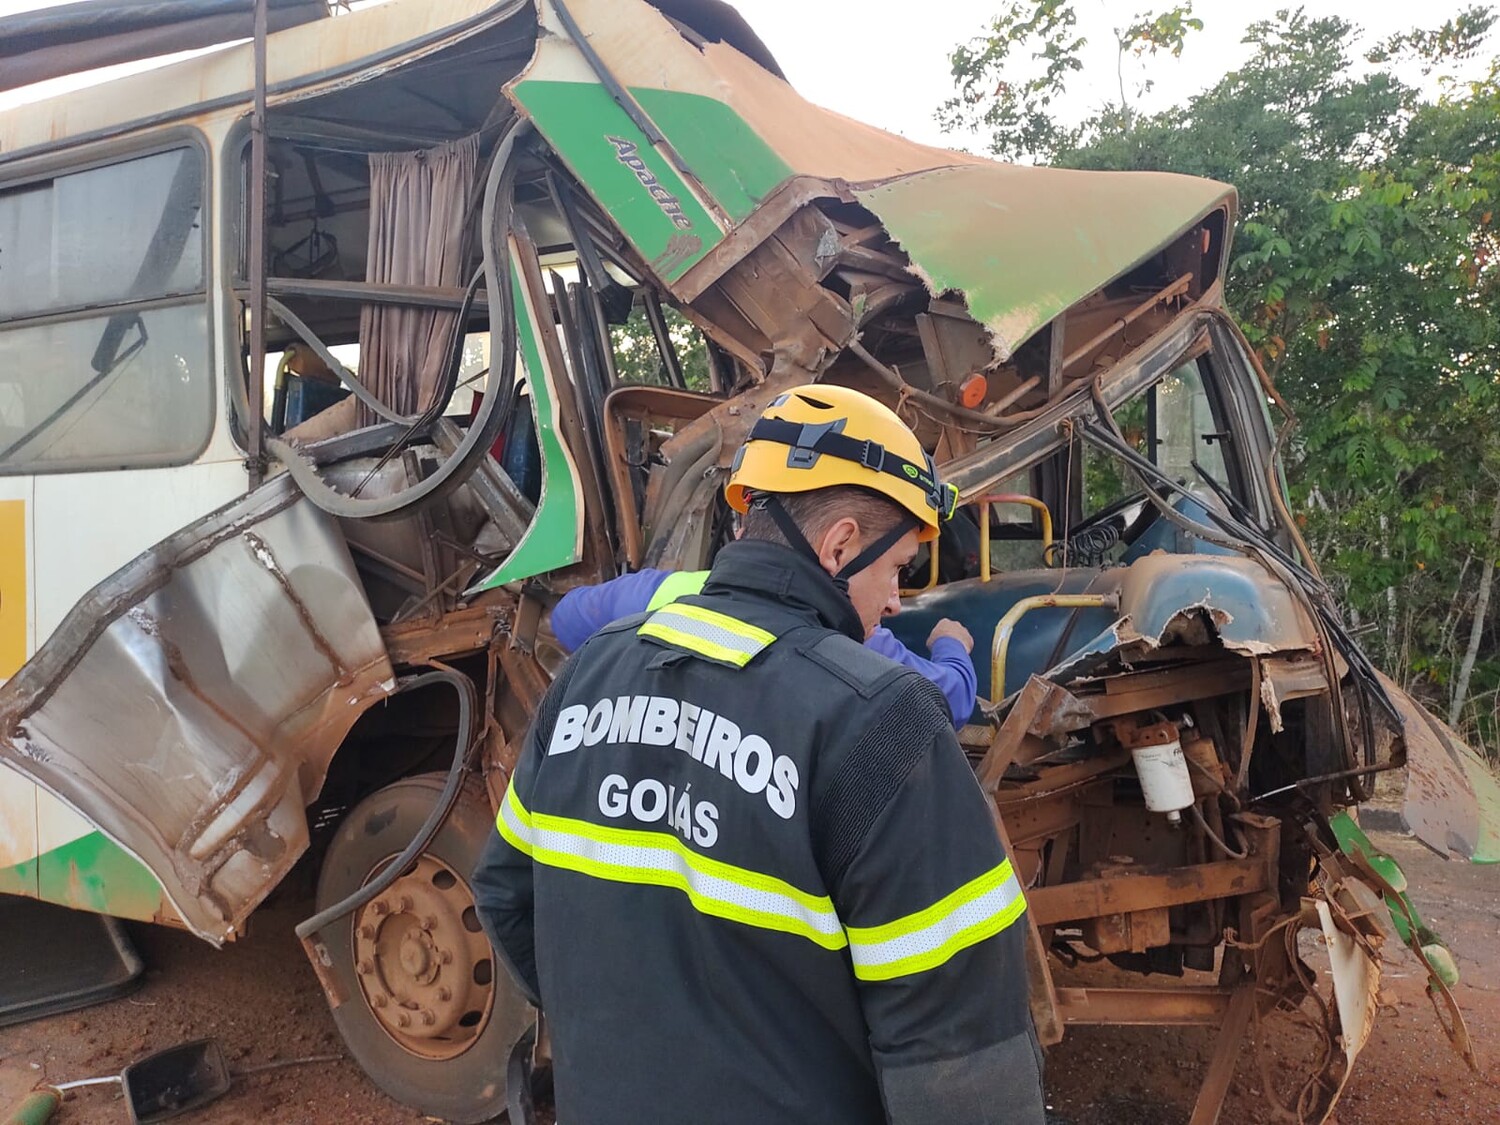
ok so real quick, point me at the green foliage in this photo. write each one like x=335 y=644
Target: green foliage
x=639 y=360
x=1366 y=274
x=1008 y=79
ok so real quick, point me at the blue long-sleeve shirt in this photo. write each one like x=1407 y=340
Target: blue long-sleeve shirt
x=584 y=611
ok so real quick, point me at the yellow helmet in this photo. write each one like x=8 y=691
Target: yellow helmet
x=821 y=436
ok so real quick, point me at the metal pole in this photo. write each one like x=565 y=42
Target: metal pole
x=255 y=459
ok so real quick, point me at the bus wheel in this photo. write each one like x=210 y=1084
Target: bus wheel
x=429 y=1014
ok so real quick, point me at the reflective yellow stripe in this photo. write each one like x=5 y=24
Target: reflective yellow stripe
x=979 y=909
x=677 y=585
x=514 y=822
x=708 y=633
x=628 y=855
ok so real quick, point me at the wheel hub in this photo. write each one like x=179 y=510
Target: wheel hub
x=423 y=963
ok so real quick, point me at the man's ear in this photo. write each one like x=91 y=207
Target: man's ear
x=839 y=544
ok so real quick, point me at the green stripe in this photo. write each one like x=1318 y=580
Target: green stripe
x=93 y=873
x=728 y=157
x=577 y=118
x=551 y=540
x=19 y=879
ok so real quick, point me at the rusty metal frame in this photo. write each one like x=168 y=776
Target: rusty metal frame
x=1143 y=1007
x=1123 y=894
x=645 y=403
x=255 y=459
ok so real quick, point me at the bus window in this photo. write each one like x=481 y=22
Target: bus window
x=104 y=358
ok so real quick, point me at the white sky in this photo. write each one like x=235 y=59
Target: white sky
x=889 y=64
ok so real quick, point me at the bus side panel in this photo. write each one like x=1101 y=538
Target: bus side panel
x=17 y=794
x=17 y=834
x=78 y=866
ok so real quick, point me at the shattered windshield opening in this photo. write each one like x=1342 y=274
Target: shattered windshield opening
x=1174 y=427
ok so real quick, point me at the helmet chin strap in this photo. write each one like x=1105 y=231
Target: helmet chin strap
x=793 y=535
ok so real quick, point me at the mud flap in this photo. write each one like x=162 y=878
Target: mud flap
x=57 y=960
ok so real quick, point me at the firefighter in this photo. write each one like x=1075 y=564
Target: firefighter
x=584 y=611
x=743 y=866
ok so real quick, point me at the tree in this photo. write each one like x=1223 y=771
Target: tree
x=638 y=359
x=1365 y=272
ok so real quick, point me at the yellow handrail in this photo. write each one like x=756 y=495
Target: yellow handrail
x=984 y=524
x=1007 y=625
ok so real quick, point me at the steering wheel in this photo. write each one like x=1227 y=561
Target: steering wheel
x=1121 y=521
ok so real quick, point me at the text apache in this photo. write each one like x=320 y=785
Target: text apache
x=627 y=154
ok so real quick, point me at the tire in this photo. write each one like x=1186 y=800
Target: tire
x=416 y=955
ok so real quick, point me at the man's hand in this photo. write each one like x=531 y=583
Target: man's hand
x=947 y=627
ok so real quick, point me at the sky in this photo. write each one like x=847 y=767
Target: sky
x=889 y=66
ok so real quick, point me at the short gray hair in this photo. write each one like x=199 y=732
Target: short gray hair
x=815 y=512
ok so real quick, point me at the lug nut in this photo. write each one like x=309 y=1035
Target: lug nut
x=367 y=932
x=379 y=1000
x=364 y=968
x=403 y=904
x=380 y=908
x=428 y=1018
x=403 y=1020
x=445 y=957
x=429 y=923
x=444 y=993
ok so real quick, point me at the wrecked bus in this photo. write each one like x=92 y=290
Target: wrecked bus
x=293 y=468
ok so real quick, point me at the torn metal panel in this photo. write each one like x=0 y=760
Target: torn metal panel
x=1356 y=984
x=1452 y=798
x=1168 y=598
x=1194 y=600
x=1024 y=244
x=1042 y=711
x=1021 y=244
x=190 y=704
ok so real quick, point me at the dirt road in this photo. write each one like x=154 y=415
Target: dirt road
x=259 y=998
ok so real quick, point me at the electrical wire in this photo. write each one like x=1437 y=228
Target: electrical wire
x=467 y=705
x=1201 y=822
x=1242 y=538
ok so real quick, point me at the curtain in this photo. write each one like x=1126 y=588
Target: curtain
x=418 y=236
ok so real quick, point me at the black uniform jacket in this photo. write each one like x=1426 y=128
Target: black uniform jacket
x=748 y=874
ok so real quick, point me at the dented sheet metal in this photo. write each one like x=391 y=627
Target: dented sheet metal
x=1193 y=600
x=1021 y=244
x=189 y=705
x=1024 y=244
x=1452 y=798
x=1356 y=989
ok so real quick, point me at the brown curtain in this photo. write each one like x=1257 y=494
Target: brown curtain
x=418 y=236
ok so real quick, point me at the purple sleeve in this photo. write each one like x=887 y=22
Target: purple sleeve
x=582 y=612
x=950 y=668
